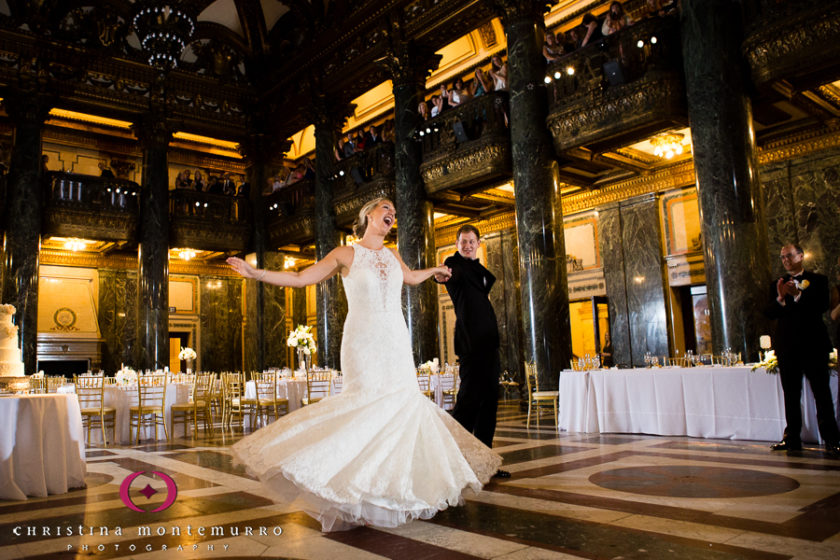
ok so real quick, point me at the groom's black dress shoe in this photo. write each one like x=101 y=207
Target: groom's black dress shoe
x=786 y=445
x=501 y=474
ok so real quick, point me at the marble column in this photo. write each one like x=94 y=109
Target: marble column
x=539 y=218
x=260 y=148
x=732 y=216
x=152 y=350
x=409 y=65
x=328 y=117
x=24 y=196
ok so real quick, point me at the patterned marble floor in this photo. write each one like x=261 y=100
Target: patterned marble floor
x=570 y=496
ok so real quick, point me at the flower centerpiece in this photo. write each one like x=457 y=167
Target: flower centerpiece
x=432 y=367
x=189 y=355
x=302 y=340
x=126 y=376
x=769 y=363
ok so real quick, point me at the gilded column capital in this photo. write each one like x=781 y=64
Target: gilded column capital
x=326 y=112
x=25 y=106
x=521 y=9
x=153 y=130
x=409 y=63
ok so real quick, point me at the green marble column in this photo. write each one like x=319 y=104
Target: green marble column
x=539 y=216
x=409 y=66
x=259 y=149
x=720 y=114
x=24 y=195
x=328 y=117
x=152 y=351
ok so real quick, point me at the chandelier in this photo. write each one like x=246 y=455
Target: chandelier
x=667 y=145
x=75 y=244
x=163 y=29
x=186 y=254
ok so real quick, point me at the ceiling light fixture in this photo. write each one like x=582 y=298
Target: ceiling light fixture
x=668 y=145
x=164 y=30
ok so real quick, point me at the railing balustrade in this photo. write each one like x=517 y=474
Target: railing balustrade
x=478 y=117
x=208 y=207
x=291 y=200
x=87 y=192
x=374 y=162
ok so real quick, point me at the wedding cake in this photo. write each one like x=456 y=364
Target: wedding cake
x=10 y=363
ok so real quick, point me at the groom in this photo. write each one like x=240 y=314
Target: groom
x=476 y=338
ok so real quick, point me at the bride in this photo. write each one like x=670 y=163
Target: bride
x=380 y=453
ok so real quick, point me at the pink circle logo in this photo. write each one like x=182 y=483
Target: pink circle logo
x=148 y=491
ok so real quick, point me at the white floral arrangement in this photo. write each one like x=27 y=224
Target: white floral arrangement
x=769 y=363
x=38 y=375
x=126 y=376
x=302 y=339
x=186 y=354
x=431 y=367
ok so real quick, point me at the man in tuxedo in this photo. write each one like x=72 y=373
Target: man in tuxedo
x=476 y=338
x=798 y=301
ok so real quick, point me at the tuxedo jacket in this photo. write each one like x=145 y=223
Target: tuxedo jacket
x=476 y=329
x=800 y=329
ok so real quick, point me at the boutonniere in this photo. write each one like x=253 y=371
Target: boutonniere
x=801 y=285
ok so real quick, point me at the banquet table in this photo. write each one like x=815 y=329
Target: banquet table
x=42 y=446
x=709 y=402
x=294 y=390
x=438 y=383
x=123 y=397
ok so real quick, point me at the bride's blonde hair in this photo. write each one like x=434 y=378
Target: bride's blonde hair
x=360 y=226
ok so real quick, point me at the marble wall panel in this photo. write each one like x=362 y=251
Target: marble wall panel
x=117 y=317
x=612 y=252
x=220 y=323
x=274 y=318
x=644 y=279
x=510 y=325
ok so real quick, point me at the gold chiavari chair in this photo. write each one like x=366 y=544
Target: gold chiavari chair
x=90 y=391
x=337 y=382
x=449 y=384
x=317 y=386
x=676 y=361
x=54 y=382
x=110 y=381
x=233 y=390
x=537 y=398
x=150 y=409
x=268 y=403
x=424 y=381
x=198 y=405
x=37 y=384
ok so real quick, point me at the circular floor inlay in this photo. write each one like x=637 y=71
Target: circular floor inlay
x=694 y=482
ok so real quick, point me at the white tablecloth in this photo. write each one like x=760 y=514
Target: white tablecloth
x=122 y=397
x=710 y=402
x=292 y=389
x=42 y=446
x=439 y=382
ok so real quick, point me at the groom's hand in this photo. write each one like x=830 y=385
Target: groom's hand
x=443 y=274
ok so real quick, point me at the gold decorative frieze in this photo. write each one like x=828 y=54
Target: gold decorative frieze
x=499 y=222
x=799 y=145
x=665 y=179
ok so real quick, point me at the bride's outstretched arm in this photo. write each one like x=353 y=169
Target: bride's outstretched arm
x=414 y=277
x=335 y=261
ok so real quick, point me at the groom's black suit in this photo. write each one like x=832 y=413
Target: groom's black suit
x=477 y=346
x=802 y=347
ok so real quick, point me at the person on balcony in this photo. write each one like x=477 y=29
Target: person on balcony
x=552 y=50
x=309 y=169
x=372 y=136
x=423 y=110
x=437 y=106
x=198 y=180
x=616 y=19
x=498 y=71
x=481 y=84
x=105 y=171
x=592 y=30
x=184 y=180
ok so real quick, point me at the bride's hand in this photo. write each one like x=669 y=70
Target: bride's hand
x=442 y=273
x=242 y=267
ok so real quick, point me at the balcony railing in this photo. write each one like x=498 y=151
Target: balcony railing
x=793 y=41
x=467 y=145
x=289 y=213
x=201 y=220
x=88 y=206
x=625 y=86
x=360 y=178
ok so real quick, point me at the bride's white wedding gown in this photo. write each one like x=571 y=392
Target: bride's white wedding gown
x=379 y=453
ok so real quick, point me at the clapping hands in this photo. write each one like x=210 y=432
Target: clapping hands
x=786 y=288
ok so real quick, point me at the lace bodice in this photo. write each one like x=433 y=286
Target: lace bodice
x=374 y=283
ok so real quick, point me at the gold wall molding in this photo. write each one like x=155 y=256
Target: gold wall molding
x=665 y=179
x=798 y=145
x=500 y=222
x=129 y=262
